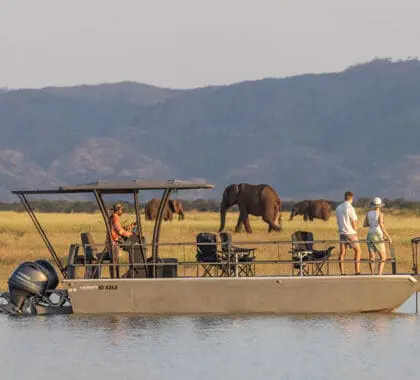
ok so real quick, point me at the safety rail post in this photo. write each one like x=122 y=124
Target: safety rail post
x=301 y=265
x=229 y=257
x=415 y=252
x=183 y=254
x=394 y=260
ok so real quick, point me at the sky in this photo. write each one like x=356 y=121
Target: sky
x=192 y=43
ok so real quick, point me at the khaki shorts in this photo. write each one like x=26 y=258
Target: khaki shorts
x=350 y=241
x=373 y=242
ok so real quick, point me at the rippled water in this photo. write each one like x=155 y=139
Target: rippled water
x=368 y=346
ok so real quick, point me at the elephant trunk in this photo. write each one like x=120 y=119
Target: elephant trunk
x=222 y=219
x=278 y=222
x=293 y=213
x=223 y=210
x=274 y=221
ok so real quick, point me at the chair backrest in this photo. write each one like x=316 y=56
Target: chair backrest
x=302 y=236
x=206 y=247
x=88 y=248
x=226 y=242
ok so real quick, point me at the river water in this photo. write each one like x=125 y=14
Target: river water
x=366 y=346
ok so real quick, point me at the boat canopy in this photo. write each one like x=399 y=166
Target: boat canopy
x=122 y=187
x=101 y=188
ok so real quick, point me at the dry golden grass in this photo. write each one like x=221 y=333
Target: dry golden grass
x=19 y=240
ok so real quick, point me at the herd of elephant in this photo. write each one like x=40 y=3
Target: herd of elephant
x=257 y=200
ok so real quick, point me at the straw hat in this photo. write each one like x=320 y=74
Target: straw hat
x=377 y=202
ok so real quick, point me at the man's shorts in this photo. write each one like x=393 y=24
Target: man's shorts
x=349 y=241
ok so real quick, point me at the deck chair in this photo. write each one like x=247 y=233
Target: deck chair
x=73 y=258
x=246 y=258
x=92 y=256
x=209 y=257
x=308 y=261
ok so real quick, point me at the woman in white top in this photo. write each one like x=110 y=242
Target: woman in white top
x=375 y=221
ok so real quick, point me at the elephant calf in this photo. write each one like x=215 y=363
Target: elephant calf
x=318 y=209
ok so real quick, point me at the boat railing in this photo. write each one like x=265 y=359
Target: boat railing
x=268 y=258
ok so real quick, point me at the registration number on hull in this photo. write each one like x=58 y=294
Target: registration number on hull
x=108 y=287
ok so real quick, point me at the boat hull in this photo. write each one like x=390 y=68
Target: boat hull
x=256 y=295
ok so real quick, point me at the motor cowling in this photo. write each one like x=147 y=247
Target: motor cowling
x=31 y=279
x=52 y=274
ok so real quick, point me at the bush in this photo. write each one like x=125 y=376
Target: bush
x=198 y=204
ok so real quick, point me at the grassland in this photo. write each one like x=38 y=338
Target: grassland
x=19 y=240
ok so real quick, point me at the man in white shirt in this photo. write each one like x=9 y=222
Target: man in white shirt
x=347 y=228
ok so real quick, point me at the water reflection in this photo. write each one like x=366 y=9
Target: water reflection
x=366 y=346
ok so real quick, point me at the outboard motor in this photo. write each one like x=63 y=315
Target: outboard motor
x=52 y=274
x=28 y=280
x=32 y=289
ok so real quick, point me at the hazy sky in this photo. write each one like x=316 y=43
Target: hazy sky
x=188 y=43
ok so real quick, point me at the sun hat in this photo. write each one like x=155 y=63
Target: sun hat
x=377 y=202
x=117 y=206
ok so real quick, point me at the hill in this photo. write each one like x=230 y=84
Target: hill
x=308 y=136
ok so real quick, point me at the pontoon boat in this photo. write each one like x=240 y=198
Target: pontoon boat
x=149 y=284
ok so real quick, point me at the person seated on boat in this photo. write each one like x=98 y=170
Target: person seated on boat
x=375 y=237
x=117 y=233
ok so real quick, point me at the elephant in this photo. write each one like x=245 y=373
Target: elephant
x=318 y=209
x=177 y=208
x=173 y=206
x=257 y=200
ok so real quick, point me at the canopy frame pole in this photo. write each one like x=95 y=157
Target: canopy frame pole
x=42 y=233
x=143 y=248
x=156 y=230
x=102 y=209
x=138 y=219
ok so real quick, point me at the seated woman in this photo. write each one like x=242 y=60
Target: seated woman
x=375 y=221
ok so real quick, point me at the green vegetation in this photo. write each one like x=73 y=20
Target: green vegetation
x=68 y=207
x=398 y=206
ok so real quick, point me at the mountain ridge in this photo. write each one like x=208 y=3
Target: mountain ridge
x=313 y=135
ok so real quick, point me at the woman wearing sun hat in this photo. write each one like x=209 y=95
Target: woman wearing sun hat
x=375 y=221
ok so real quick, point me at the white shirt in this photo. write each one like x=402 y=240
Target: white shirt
x=373 y=221
x=345 y=215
